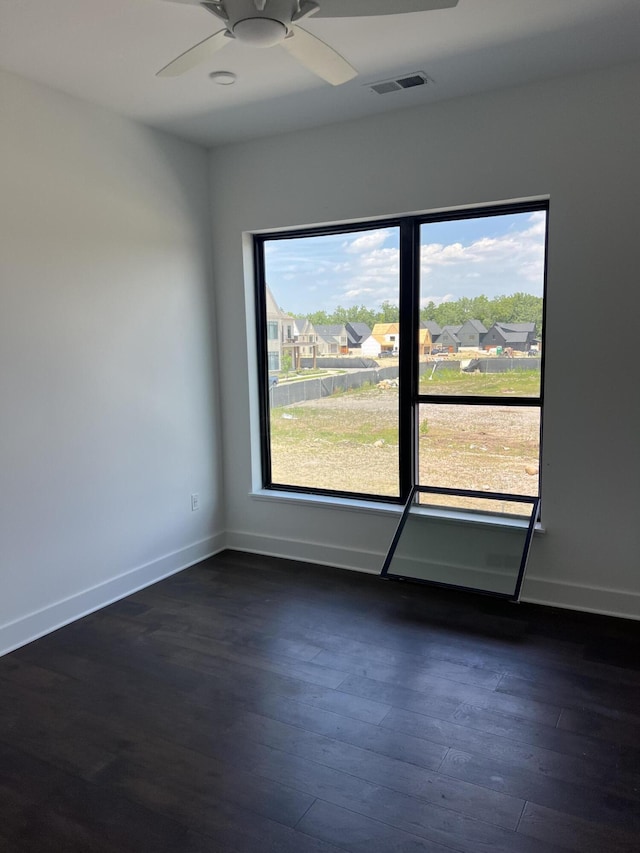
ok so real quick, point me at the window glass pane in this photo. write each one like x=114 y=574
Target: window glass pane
x=480 y=448
x=272 y=330
x=274 y=361
x=481 y=296
x=502 y=506
x=487 y=558
x=333 y=300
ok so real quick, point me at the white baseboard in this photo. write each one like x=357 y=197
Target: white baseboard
x=33 y=625
x=591 y=599
x=320 y=553
x=551 y=593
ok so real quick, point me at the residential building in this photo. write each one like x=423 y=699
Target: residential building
x=434 y=328
x=448 y=339
x=388 y=336
x=356 y=334
x=385 y=338
x=305 y=336
x=332 y=339
x=471 y=334
x=517 y=336
x=280 y=332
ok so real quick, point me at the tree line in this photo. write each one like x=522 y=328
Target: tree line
x=517 y=308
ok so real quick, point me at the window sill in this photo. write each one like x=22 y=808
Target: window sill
x=328 y=501
x=377 y=508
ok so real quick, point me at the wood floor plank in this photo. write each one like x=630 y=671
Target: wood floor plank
x=271 y=661
x=198 y=781
x=430 y=821
x=481 y=727
x=416 y=675
x=573 y=798
x=50 y=734
x=358 y=834
x=62 y=806
x=443 y=701
x=583 y=693
x=561 y=765
x=607 y=725
x=583 y=836
x=400 y=776
x=393 y=744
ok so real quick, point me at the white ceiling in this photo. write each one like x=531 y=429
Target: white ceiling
x=107 y=52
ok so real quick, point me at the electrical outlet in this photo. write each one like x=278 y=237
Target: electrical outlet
x=195 y=502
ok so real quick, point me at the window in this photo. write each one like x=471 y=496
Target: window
x=272 y=330
x=445 y=390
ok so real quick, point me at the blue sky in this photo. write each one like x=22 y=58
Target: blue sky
x=494 y=255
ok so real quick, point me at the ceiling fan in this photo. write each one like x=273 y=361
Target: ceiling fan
x=265 y=23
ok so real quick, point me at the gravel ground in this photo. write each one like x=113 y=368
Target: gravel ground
x=488 y=448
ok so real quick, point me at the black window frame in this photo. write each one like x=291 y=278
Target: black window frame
x=409 y=318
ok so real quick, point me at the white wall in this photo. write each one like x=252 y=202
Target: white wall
x=108 y=388
x=575 y=139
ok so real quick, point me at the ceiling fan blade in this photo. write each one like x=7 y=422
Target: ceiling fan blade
x=318 y=57
x=195 y=2
x=195 y=55
x=371 y=8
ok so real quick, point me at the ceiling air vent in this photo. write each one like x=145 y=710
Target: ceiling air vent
x=407 y=81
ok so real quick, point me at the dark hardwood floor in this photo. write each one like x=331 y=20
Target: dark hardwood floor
x=254 y=704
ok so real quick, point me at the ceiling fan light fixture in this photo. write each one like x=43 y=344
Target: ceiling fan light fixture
x=260 y=32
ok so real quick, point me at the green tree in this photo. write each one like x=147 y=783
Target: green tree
x=429 y=311
x=319 y=318
x=388 y=313
x=514 y=308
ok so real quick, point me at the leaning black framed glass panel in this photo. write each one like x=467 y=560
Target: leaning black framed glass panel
x=482 y=546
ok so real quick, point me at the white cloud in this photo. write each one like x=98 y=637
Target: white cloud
x=359 y=292
x=437 y=300
x=366 y=242
x=503 y=258
x=490 y=265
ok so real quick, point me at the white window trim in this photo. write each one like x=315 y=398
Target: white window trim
x=381 y=508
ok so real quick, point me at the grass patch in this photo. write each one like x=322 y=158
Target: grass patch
x=516 y=383
x=307 y=373
x=292 y=425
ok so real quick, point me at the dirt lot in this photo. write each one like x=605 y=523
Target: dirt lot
x=349 y=442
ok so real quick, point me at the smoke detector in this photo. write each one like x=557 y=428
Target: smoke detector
x=223 y=78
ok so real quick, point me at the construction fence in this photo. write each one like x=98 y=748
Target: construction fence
x=290 y=393
x=297 y=391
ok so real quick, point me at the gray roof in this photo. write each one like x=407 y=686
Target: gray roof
x=300 y=324
x=478 y=325
x=515 y=333
x=451 y=331
x=331 y=331
x=515 y=337
x=357 y=332
x=360 y=329
x=273 y=309
x=517 y=327
x=433 y=327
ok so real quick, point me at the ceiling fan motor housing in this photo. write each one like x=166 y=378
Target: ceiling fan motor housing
x=260 y=27
x=260 y=32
